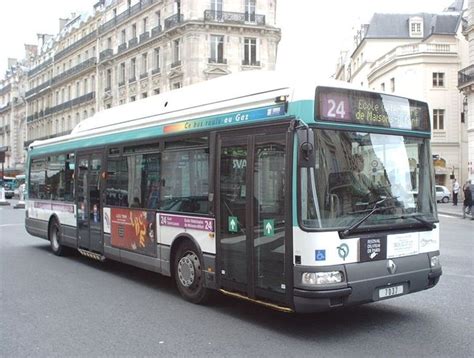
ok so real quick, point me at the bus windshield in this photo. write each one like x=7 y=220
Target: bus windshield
x=355 y=170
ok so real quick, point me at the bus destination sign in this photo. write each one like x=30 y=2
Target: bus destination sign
x=372 y=109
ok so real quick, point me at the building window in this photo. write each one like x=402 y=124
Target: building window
x=156 y=91
x=145 y=24
x=123 y=37
x=108 y=80
x=133 y=98
x=122 y=74
x=216 y=9
x=86 y=89
x=134 y=31
x=416 y=26
x=156 y=60
x=144 y=64
x=133 y=65
x=438 y=119
x=250 y=10
x=109 y=42
x=78 y=89
x=177 y=85
x=392 y=84
x=144 y=95
x=217 y=49
x=250 y=51
x=176 y=52
x=438 y=79
x=158 y=18
x=382 y=87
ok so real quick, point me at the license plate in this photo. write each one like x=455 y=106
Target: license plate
x=390 y=291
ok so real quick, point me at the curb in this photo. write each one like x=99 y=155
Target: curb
x=450 y=213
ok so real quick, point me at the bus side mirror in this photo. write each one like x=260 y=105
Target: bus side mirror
x=306 y=148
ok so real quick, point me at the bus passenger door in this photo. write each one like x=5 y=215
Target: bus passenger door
x=89 y=213
x=252 y=230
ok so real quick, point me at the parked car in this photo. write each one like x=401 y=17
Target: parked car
x=442 y=194
x=9 y=192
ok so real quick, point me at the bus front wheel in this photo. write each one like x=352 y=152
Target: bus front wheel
x=188 y=274
x=55 y=239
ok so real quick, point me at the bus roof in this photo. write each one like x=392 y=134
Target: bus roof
x=234 y=92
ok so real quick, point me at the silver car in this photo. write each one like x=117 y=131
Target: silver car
x=442 y=194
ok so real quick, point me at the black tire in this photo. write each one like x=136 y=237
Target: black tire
x=189 y=275
x=54 y=235
x=445 y=200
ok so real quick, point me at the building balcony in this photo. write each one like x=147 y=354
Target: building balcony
x=254 y=63
x=106 y=54
x=234 y=17
x=176 y=64
x=222 y=61
x=5 y=89
x=74 y=102
x=122 y=48
x=144 y=36
x=40 y=67
x=86 y=39
x=123 y=16
x=91 y=62
x=156 y=31
x=132 y=42
x=411 y=50
x=5 y=107
x=173 y=21
x=38 y=89
x=466 y=77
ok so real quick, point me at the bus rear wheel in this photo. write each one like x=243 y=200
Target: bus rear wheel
x=188 y=274
x=55 y=239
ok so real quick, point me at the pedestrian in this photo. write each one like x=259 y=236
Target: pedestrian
x=467 y=203
x=455 y=192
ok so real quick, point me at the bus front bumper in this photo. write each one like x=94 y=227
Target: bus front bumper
x=366 y=282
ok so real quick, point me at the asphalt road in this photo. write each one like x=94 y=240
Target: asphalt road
x=74 y=306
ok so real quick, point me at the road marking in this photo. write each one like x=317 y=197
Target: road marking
x=4 y=225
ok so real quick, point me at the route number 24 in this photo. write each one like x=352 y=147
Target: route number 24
x=336 y=109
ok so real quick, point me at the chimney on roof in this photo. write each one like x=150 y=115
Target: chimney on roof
x=31 y=51
x=12 y=62
x=62 y=23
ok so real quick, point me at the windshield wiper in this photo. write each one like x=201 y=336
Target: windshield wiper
x=426 y=223
x=376 y=208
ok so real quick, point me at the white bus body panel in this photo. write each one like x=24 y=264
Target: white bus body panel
x=332 y=251
x=42 y=210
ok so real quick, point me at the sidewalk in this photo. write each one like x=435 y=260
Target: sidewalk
x=450 y=209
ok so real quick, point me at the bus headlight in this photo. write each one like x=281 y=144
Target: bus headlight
x=434 y=261
x=321 y=278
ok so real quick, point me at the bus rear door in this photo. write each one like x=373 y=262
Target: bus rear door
x=253 y=232
x=89 y=217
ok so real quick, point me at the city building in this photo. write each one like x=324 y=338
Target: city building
x=125 y=50
x=466 y=86
x=13 y=129
x=418 y=55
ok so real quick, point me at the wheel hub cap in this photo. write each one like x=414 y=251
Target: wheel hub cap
x=187 y=269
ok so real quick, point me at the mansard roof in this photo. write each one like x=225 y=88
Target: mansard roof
x=396 y=26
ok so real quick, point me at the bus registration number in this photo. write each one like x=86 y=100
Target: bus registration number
x=390 y=291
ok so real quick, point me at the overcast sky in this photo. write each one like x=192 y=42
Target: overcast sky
x=313 y=31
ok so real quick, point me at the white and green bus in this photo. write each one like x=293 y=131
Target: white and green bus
x=299 y=196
